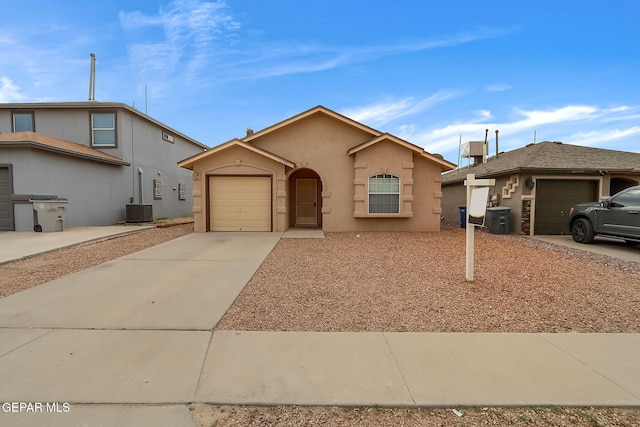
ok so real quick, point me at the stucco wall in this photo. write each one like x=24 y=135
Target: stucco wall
x=453 y=196
x=86 y=184
x=320 y=143
x=139 y=143
x=508 y=192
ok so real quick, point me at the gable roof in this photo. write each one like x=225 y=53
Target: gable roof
x=444 y=165
x=48 y=143
x=189 y=162
x=89 y=105
x=551 y=156
x=316 y=110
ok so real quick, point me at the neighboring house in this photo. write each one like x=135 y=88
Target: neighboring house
x=540 y=183
x=100 y=156
x=317 y=169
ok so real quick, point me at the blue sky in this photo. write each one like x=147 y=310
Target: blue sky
x=426 y=71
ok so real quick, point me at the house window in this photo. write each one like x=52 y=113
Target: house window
x=103 y=129
x=157 y=189
x=384 y=194
x=23 y=122
x=182 y=191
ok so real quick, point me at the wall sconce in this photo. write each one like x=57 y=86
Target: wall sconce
x=529 y=183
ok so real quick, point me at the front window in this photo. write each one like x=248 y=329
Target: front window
x=384 y=194
x=103 y=129
x=23 y=122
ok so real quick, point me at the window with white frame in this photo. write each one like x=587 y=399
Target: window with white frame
x=23 y=122
x=384 y=194
x=182 y=191
x=103 y=129
x=157 y=189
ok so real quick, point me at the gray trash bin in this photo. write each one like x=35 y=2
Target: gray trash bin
x=50 y=214
x=498 y=220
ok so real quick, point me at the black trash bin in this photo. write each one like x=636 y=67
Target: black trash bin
x=498 y=220
x=463 y=216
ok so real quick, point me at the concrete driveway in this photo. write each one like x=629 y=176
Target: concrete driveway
x=133 y=330
x=601 y=245
x=22 y=244
x=185 y=284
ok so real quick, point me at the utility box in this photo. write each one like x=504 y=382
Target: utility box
x=498 y=220
x=49 y=214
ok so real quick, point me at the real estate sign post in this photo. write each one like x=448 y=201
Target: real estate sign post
x=477 y=193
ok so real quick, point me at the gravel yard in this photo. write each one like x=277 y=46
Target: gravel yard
x=213 y=415
x=416 y=282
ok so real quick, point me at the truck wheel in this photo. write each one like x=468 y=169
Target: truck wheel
x=582 y=231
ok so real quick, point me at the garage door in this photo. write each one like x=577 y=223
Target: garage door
x=240 y=203
x=6 y=208
x=554 y=199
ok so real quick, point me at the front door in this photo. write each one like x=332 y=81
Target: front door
x=306 y=201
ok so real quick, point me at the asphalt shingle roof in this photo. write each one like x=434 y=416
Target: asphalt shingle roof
x=48 y=143
x=550 y=156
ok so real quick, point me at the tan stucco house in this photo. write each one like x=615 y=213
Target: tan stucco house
x=317 y=169
x=540 y=182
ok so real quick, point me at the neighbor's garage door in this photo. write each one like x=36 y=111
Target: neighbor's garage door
x=6 y=208
x=240 y=203
x=554 y=199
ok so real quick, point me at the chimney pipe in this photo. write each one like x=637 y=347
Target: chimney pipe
x=92 y=79
x=497 y=151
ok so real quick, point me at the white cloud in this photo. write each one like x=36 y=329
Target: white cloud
x=599 y=137
x=286 y=59
x=185 y=45
x=386 y=112
x=501 y=87
x=549 y=124
x=9 y=92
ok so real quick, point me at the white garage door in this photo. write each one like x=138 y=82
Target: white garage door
x=240 y=203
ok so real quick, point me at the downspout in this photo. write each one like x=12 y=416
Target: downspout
x=140 y=174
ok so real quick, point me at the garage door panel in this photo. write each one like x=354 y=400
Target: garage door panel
x=554 y=199
x=240 y=203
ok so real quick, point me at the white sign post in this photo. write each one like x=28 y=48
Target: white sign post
x=477 y=193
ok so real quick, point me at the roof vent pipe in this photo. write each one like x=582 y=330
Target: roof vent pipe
x=485 y=150
x=497 y=151
x=92 y=79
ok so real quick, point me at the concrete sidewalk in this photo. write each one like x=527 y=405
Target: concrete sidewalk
x=16 y=245
x=421 y=369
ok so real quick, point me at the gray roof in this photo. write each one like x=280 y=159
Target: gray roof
x=550 y=157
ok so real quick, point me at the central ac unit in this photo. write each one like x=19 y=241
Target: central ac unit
x=139 y=213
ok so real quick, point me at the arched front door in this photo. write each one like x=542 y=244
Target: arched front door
x=305 y=199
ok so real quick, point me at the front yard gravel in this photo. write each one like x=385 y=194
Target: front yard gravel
x=415 y=282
